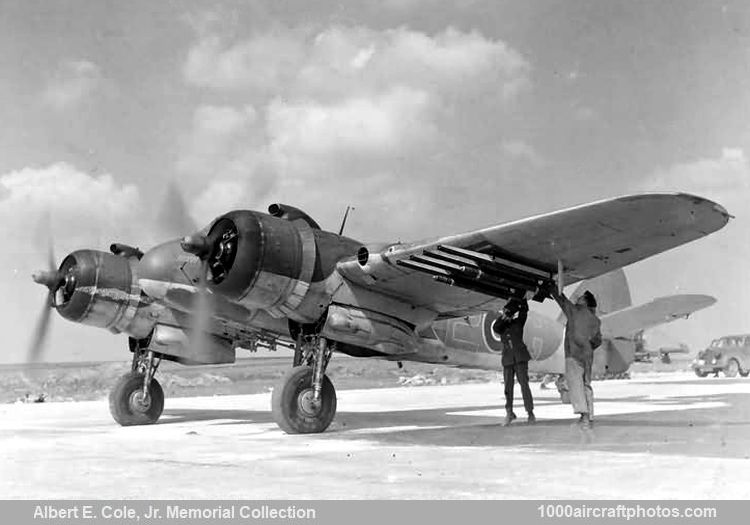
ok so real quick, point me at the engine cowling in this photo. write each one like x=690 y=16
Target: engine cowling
x=99 y=289
x=261 y=261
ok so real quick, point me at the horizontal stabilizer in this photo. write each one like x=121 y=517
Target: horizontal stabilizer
x=626 y=322
x=664 y=351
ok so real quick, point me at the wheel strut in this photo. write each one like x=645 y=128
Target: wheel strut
x=321 y=357
x=145 y=363
x=298 y=350
x=152 y=364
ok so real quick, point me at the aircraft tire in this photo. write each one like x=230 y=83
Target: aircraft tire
x=700 y=373
x=123 y=401
x=290 y=403
x=732 y=368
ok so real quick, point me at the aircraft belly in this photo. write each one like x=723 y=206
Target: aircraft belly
x=554 y=364
x=431 y=351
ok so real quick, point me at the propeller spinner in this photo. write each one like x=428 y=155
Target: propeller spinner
x=53 y=279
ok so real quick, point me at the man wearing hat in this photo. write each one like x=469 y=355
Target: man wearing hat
x=509 y=327
x=582 y=336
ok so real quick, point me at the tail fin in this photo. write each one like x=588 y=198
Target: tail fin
x=611 y=291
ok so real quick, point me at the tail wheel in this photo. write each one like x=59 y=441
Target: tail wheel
x=129 y=406
x=294 y=407
x=732 y=368
x=744 y=373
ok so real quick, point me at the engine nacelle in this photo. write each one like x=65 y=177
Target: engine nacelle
x=99 y=289
x=262 y=261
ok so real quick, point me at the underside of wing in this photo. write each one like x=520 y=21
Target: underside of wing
x=480 y=270
x=628 y=321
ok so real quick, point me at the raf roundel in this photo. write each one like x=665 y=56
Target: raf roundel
x=489 y=337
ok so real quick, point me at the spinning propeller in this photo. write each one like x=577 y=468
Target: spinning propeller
x=172 y=219
x=52 y=280
x=202 y=312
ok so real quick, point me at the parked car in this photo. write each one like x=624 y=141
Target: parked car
x=729 y=354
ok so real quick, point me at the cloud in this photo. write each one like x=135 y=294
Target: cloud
x=380 y=125
x=715 y=265
x=395 y=121
x=218 y=138
x=409 y=5
x=522 y=151
x=74 y=81
x=350 y=60
x=303 y=149
x=84 y=210
x=224 y=158
x=260 y=63
x=726 y=177
x=208 y=21
x=451 y=62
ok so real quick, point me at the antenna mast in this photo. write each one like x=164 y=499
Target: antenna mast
x=343 y=222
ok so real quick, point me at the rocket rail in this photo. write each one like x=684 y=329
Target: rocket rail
x=481 y=272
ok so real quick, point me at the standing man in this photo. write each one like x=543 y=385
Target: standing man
x=582 y=336
x=509 y=327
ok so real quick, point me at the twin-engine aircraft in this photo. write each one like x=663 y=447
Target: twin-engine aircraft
x=252 y=279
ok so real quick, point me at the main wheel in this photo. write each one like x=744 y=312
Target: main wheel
x=294 y=407
x=129 y=406
x=700 y=373
x=732 y=368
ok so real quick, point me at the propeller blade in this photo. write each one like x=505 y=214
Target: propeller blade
x=198 y=331
x=50 y=278
x=39 y=335
x=51 y=261
x=173 y=218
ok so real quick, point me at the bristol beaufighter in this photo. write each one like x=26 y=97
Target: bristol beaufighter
x=253 y=279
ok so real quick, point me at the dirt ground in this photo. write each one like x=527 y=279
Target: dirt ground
x=87 y=381
x=657 y=436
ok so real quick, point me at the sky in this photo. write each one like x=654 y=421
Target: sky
x=429 y=117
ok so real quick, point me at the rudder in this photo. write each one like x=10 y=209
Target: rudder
x=611 y=291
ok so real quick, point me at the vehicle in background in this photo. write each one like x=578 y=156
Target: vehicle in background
x=729 y=354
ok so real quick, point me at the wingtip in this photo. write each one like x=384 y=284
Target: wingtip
x=713 y=204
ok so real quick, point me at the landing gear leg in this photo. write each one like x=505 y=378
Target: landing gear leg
x=304 y=402
x=298 y=349
x=137 y=398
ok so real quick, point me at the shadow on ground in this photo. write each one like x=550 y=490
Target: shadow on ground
x=686 y=431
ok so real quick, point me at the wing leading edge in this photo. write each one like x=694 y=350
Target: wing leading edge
x=588 y=240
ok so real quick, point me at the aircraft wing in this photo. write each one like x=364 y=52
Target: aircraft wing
x=626 y=322
x=513 y=258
